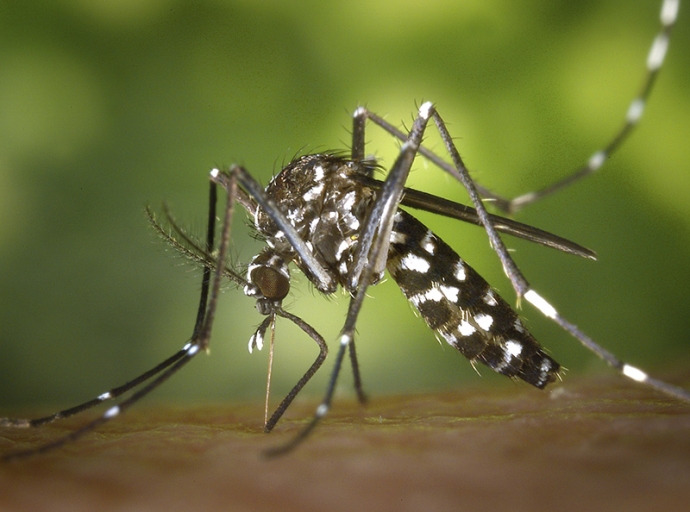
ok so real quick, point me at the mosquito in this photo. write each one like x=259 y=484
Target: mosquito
x=328 y=216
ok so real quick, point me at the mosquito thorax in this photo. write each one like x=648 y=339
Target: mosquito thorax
x=327 y=207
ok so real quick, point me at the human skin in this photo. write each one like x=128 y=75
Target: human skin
x=589 y=444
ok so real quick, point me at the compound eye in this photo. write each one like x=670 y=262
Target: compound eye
x=272 y=284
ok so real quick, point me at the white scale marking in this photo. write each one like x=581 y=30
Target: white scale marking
x=313 y=193
x=540 y=303
x=415 y=263
x=318 y=173
x=459 y=271
x=282 y=268
x=450 y=338
x=634 y=373
x=545 y=367
x=669 y=12
x=433 y=294
x=518 y=325
x=526 y=198
x=466 y=329
x=344 y=245
x=105 y=396
x=490 y=298
x=451 y=292
x=313 y=225
x=657 y=53
x=257 y=340
x=295 y=215
x=513 y=348
x=398 y=238
x=425 y=109
x=484 y=321
x=596 y=160
x=112 y=412
x=635 y=111
x=428 y=243
x=348 y=201
x=351 y=222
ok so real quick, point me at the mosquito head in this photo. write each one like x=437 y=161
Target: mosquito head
x=268 y=280
x=272 y=284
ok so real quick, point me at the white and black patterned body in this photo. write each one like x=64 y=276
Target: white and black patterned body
x=327 y=205
x=459 y=304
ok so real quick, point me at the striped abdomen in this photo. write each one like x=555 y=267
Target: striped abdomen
x=460 y=305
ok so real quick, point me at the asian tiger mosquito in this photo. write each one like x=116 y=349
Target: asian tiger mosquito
x=359 y=232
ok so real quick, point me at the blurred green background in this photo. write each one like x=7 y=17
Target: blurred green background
x=108 y=106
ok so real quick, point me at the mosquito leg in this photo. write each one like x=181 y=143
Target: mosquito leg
x=460 y=172
x=164 y=370
x=346 y=340
x=625 y=369
x=425 y=152
x=203 y=327
x=361 y=396
x=379 y=221
x=105 y=417
x=321 y=410
x=523 y=289
x=655 y=59
x=206 y=278
x=118 y=391
x=372 y=250
x=359 y=119
x=108 y=395
x=323 y=352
